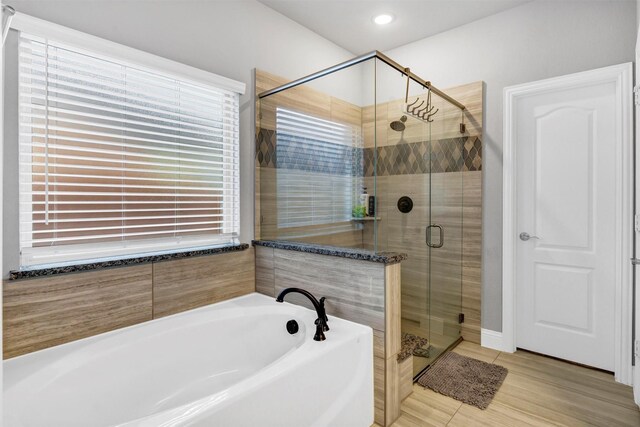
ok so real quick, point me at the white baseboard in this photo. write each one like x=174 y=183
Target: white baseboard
x=491 y=339
x=636 y=387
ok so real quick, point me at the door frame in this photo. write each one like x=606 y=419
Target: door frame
x=621 y=75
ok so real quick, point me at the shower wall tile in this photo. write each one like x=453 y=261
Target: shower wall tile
x=455 y=269
x=375 y=131
x=472 y=255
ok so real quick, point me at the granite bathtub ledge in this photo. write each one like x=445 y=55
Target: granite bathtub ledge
x=30 y=274
x=357 y=254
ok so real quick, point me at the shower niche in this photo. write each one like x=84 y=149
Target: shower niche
x=364 y=156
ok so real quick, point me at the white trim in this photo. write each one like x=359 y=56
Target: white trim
x=138 y=58
x=636 y=378
x=2 y=142
x=621 y=75
x=491 y=339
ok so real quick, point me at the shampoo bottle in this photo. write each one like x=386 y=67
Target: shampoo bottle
x=364 y=201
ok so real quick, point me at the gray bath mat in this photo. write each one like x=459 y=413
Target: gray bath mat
x=413 y=344
x=465 y=379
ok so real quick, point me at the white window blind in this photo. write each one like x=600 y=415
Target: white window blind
x=318 y=172
x=117 y=160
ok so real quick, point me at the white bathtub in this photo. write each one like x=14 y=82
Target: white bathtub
x=227 y=364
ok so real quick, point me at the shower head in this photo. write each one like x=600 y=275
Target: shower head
x=398 y=125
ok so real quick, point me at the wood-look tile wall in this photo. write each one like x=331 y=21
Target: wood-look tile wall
x=43 y=312
x=360 y=291
x=48 y=311
x=472 y=255
x=188 y=283
x=455 y=269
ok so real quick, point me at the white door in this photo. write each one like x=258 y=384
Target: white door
x=567 y=219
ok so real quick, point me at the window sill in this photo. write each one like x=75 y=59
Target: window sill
x=30 y=274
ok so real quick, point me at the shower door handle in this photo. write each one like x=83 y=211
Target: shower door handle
x=441 y=230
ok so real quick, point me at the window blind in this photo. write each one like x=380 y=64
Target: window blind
x=319 y=172
x=116 y=160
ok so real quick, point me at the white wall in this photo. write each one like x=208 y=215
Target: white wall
x=534 y=41
x=229 y=38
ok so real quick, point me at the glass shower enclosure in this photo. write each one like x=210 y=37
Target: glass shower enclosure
x=361 y=155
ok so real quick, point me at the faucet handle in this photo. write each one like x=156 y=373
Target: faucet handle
x=326 y=318
x=319 y=336
x=321 y=324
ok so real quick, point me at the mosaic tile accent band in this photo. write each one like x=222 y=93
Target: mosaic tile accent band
x=266 y=148
x=311 y=155
x=446 y=155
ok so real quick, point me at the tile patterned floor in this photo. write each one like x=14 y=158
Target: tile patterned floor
x=538 y=391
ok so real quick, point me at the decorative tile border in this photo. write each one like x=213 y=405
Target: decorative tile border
x=438 y=156
x=303 y=154
x=266 y=148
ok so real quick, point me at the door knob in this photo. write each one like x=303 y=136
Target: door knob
x=524 y=236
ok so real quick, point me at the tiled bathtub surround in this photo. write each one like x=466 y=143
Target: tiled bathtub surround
x=360 y=291
x=46 y=311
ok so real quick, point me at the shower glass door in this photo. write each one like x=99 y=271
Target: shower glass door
x=362 y=157
x=418 y=162
x=445 y=226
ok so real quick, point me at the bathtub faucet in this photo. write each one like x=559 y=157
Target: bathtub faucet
x=321 y=321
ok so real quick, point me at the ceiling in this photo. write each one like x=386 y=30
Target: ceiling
x=349 y=23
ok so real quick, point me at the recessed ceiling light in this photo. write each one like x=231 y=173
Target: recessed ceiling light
x=383 y=19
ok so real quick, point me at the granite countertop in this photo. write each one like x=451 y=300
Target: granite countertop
x=358 y=254
x=28 y=274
